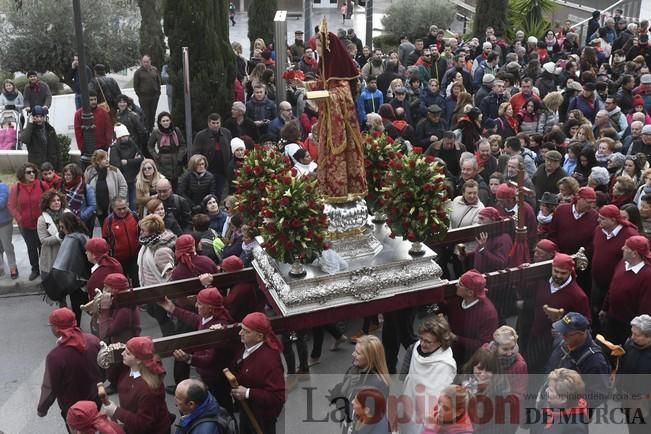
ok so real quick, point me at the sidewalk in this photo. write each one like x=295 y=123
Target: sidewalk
x=22 y=285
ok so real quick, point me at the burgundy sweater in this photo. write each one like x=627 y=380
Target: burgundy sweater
x=262 y=372
x=568 y=233
x=629 y=294
x=244 y=298
x=211 y=361
x=473 y=327
x=202 y=264
x=119 y=324
x=495 y=256
x=607 y=253
x=96 y=279
x=529 y=220
x=70 y=376
x=571 y=298
x=142 y=409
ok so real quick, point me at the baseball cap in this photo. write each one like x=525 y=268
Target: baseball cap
x=572 y=321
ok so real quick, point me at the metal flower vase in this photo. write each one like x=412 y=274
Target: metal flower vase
x=379 y=217
x=416 y=249
x=297 y=269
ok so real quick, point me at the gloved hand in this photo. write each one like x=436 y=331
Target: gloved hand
x=108 y=409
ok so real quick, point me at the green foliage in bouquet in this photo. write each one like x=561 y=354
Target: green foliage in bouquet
x=295 y=225
x=260 y=166
x=415 y=196
x=379 y=150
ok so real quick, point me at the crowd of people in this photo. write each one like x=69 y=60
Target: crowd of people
x=573 y=116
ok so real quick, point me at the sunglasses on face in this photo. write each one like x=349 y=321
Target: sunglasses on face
x=29 y=172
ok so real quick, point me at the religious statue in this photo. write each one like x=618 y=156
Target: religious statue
x=341 y=173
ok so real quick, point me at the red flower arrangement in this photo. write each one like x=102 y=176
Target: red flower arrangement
x=260 y=166
x=415 y=195
x=293 y=74
x=295 y=224
x=379 y=150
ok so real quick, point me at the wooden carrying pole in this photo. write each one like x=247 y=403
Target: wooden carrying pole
x=185 y=287
x=180 y=288
x=243 y=403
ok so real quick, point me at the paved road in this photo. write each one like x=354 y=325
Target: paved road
x=26 y=339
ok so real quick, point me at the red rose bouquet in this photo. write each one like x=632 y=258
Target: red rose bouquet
x=414 y=198
x=379 y=150
x=260 y=166
x=295 y=225
x=293 y=74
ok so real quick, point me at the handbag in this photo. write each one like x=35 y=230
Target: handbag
x=103 y=105
x=54 y=284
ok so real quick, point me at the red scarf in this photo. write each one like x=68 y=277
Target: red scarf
x=74 y=183
x=513 y=123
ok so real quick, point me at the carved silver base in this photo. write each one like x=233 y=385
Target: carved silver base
x=358 y=245
x=349 y=232
x=390 y=272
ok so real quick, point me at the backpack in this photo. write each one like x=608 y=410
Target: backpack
x=225 y=421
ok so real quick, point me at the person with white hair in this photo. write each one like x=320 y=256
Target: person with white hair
x=634 y=367
x=598 y=177
x=239 y=124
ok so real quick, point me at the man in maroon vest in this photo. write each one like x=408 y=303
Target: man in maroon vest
x=561 y=292
x=71 y=371
x=574 y=223
x=211 y=361
x=608 y=240
x=573 y=227
x=471 y=315
x=629 y=294
x=545 y=250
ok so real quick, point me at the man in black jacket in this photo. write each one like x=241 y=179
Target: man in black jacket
x=175 y=204
x=215 y=143
x=239 y=124
x=593 y=26
x=41 y=139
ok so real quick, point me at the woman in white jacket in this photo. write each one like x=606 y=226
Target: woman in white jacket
x=429 y=368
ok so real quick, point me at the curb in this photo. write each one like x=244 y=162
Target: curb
x=19 y=287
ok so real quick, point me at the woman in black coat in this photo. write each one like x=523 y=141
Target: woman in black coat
x=197 y=183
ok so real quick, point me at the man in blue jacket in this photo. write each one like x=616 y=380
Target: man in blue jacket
x=369 y=100
x=200 y=412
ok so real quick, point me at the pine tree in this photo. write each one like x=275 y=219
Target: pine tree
x=490 y=13
x=261 y=20
x=202 y=26
x=152 y=39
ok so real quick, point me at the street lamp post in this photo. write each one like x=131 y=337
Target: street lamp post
x=87 y=122
x=369 y=23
